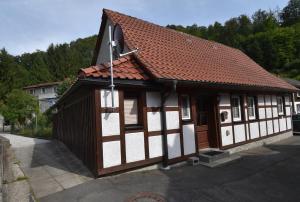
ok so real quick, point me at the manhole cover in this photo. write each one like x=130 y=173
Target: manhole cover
x=146 y=197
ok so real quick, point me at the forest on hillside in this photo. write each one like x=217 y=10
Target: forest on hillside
x=271 y=38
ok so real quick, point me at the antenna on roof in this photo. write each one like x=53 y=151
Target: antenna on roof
x=116 y=48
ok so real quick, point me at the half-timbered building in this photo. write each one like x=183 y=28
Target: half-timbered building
x=177 y=95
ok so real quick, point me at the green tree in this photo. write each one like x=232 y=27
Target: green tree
x=291 y=13
x=65 y=85
x=18 y=107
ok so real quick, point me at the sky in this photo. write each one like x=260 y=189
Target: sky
x=30 y=25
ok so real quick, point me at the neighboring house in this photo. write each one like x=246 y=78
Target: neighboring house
x=296 y=95
x=177 y=95
x=45 y=93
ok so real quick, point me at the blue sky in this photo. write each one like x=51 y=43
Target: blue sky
x=28 y=25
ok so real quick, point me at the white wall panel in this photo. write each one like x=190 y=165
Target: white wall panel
x=269 y=112
x=154 y=121
x=224 y=100
x=254 y=130
x=111 y=154
x=174 y=149
x=282 y=122
x=155 y=146
x=263 y=128
x=172 y=120
x=275 y=112
x=226 y=135
x=239 y=133
x=276 y=125
x=262 y=113
x=135 y=147
x=110 y=124
x=106 y=98
x=270 y=127
x=228 y=120
x=188 y=139
x=268 y=99
x=153 y=99
x=289 y=123
x=260 y=100
x=172 y=100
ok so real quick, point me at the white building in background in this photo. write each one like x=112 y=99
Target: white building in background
x=296 y=96
x=46 y=93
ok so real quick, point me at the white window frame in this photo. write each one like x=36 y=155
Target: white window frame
x=236 y=119
x=188 y=117
x=282 y=105
x=254 y=107
x=298 y=108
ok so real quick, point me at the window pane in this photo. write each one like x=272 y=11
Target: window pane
x=236 y=107
x=251 y=107
x=131 y=111
x=185 y=108
x=280 y=105
x=298 y=108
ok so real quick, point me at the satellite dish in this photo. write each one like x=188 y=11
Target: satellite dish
x=118 y=39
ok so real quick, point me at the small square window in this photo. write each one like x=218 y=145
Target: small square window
x=185 y=107
x=236 y=108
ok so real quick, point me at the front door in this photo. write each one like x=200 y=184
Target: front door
x=205 y=125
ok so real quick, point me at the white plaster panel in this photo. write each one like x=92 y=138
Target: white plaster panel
x=270 y=127
x=254 y=130
x=110 y=124
x=155 y=146
x=289 y=123
x=154 y=121
x=227 y=138
x=274 y=100
x=153 y=99
x=276 y=125
x=239 y=133
x=228 y=120
x=288 y=111
x=188 y=139
x=262 y=113
x=172 y=120
x=111 y=154
x=275 y=112
x=263 y=128
x=269 y=112
x=172 y=100
x=268 y=99
x=260 y=100
x=106 y=98
x=224 y=100
x=282 y=123
x=135 y=148
x=174 y=149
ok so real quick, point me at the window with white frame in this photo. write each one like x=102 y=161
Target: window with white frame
x=298 y=108
x=185 y=107
x=280 y=105
x=131 y=110
x=236 y=108
x=251 y=107
x=44 y=90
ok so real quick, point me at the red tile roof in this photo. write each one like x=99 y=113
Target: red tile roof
x=124 y=68
x=43 y=85
x=168 y=54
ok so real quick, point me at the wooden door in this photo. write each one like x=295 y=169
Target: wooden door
x=202 y=125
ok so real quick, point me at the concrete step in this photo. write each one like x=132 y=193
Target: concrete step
x=211 y=155
x=220 y=162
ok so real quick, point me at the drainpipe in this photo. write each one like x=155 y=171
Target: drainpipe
x=165 y=93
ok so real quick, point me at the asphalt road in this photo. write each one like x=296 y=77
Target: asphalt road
x=270 y=173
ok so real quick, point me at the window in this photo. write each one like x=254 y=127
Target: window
x=132 y=111
x=43 y=90
x=236 y=108
x=31 y=91
x=298 y=94
x=251 y=107
x=185 y=107
x=280 y=105
x=298 y=108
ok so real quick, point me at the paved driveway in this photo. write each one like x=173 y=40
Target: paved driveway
x=270 y=173
x=49 y=165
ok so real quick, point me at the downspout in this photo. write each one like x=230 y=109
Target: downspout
x=165 y=94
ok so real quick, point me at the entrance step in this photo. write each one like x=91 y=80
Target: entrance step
x=214 y=157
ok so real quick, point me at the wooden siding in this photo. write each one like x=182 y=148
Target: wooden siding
x=74 y=125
